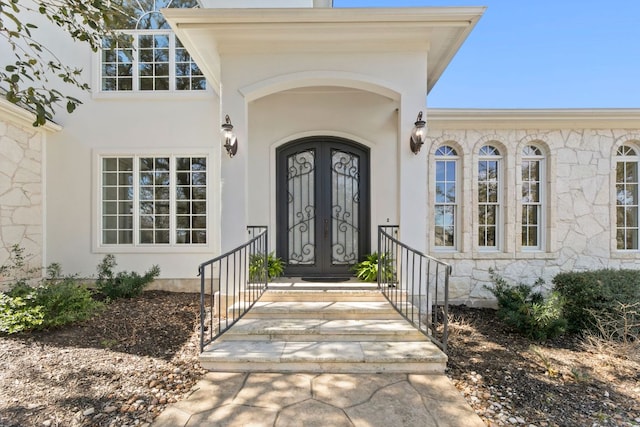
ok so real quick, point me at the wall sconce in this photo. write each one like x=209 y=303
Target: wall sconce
x=418 y=134
x=229 y=138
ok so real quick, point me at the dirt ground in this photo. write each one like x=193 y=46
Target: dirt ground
x=509 y=380
x=127 y=364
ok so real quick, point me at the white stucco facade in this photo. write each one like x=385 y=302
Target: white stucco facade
x=303 y=69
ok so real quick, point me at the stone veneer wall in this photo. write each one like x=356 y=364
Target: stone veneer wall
x=580 y=215
x=21 y=190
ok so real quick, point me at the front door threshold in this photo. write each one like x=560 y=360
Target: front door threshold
x=317 y=283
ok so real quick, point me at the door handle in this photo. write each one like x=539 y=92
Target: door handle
x=326 y=228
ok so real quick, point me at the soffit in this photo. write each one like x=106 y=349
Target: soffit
x=437 y=31
x=602 y=118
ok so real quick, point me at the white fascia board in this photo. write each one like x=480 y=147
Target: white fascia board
x=234 y=4
x=553 y=118
x=438 y=32
x=14 y=113
x=434 y=15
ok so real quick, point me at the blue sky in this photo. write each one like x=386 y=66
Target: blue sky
x=540 y=54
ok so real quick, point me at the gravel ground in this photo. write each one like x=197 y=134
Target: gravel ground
x=126 y=365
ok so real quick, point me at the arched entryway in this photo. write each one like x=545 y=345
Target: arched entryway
x=322 y=206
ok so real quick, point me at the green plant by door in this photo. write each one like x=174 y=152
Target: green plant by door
x=367 y=270
x=274 y=267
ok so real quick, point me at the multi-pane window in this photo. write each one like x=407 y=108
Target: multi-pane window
x=489 y=197
x=446 y=201
x=154 y=200
x=532 y=170
x=117 y=200
x=627 y=160
x=151 y=58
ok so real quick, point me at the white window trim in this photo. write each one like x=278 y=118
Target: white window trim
x=500 y=203
x=174 y=248
x=457 y=208
x=623 y=159
x=542 y=221
x=172 y=93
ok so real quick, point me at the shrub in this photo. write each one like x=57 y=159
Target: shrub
x=124 y=284
x=275 y=267
x=15 y=270
x=55 y=302
x=367 y=270
x=528 y=312
x=65 y=301
x=19 y=313
x=590 y=295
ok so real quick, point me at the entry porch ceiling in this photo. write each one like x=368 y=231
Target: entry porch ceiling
x=437 y=32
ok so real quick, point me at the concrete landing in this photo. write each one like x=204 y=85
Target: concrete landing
x=302 y=399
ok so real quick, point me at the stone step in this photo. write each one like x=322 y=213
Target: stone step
x=332 y=295
x=310 y=329
x=323 y=330
x=419 y=357
x=324 y=310
x=314 y=286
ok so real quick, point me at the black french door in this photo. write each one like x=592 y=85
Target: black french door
x=322 y=201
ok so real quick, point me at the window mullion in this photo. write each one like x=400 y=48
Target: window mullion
x=172 y=61
x=172 y=200
x=135 y=62
x=136 y=201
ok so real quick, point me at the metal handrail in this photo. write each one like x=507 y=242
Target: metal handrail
x=416 y=284
x=236 y=279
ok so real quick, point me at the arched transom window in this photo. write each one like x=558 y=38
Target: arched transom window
x=627 y=160
x=152 y=58
x=532 y=173
x=489 y=197
x=446 y=197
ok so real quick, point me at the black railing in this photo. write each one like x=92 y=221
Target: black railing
x=231 y=283
x=416 y=284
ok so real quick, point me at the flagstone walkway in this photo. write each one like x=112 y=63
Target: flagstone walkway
x=307 y=399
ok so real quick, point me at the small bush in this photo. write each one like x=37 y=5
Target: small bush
x=124 y=284
x=527 y=311
x=65 y=301
x=55 y=302
x=19 y=313
x=15 y=271
x=367 y=270
x=275 y=267
x=591 y=295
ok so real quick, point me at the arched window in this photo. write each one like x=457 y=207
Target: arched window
x=533 y=197
x=489 y=197
x=627 y=160
x=446 y=197
x=152 y=58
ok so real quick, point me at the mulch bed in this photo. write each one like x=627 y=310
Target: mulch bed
x=127 y=364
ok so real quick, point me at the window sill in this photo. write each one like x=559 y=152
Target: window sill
x=181 y=95
x=494 y=255
x=172 y=249
x=625 y=254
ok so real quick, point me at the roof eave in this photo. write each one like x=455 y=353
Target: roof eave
x=552 y=118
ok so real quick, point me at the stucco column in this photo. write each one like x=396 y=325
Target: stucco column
x=412 y=184
x=234 y=172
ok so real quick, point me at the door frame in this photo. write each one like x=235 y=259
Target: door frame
x=364 y=217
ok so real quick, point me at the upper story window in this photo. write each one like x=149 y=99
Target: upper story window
x=533 y=172
x=627 y=160
x=489 y=197
x=446 y=197
x=152 y=58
